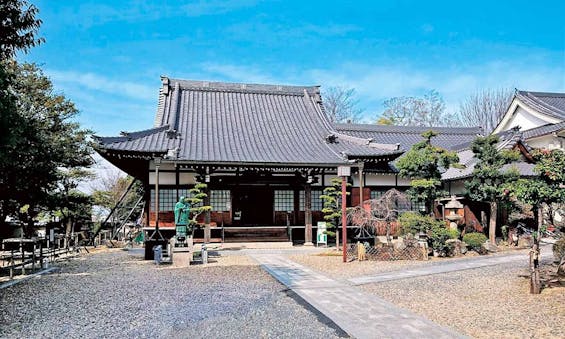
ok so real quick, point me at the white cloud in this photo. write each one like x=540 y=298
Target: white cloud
x=99 y=83
x=238 y=73
x=374 y=84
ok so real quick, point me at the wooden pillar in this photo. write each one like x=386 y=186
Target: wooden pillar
x=361 y=198
x=308 y=215
x=207 y=215
x=156 y=198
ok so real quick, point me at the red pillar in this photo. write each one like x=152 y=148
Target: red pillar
x=344 y=217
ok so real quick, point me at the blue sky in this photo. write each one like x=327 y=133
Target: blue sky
x=107 y=55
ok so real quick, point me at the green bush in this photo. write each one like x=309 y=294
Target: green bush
x=438 y=237
x=414 y=223
x=474 y=240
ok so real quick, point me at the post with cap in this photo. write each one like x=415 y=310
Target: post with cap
x=344 y=172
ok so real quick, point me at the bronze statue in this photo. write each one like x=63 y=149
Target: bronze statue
x=182 y=213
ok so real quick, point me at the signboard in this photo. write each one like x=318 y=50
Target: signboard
x=322 y=237
x=343 y=171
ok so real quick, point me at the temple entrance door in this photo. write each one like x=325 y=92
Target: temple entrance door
x=256 y=205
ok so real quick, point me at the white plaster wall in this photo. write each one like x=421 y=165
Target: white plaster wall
x=547 y=141
x=163 y=166
x=328 y=178
x=187 y=178
x=373 y=179
x=525 y=120
x=165 y=178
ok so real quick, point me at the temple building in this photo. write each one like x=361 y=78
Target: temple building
x=266 y=153
x=539 y=116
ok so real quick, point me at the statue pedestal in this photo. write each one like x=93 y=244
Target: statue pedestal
x=182 y=256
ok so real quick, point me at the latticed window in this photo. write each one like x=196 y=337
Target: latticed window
x=284 y=200
x=220 y=200
x=167 y=199
x=377 y=193
x=316 y=204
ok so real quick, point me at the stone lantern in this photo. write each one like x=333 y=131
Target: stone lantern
x=451 y=212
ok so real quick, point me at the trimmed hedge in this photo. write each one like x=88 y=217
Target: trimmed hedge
x=475 y=240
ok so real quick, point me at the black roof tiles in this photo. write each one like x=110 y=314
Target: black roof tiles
x=245 y=123
x=551 y=104
x=406 y=136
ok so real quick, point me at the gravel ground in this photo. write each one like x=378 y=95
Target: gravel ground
x=489 y=302
x=332 y=265
x=113 y=294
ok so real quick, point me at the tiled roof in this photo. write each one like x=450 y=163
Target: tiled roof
x=245 y=123
x=551 y=104
x=508 y=140
x=406 y=136
x=543 y=130
x=525 y=169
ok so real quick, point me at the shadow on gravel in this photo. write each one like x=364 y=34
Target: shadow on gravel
x=319 y=315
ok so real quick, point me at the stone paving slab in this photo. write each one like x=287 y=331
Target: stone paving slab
x=360 y=314
x=446 y=267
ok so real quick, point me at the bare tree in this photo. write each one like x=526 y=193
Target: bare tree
x=428 y=110
x=385 y=209
x=485 y=108
x=342 y=105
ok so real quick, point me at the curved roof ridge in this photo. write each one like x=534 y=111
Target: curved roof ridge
x=133 y=135
x=553 y=104
x=543 y=94
x=406 y=129
x=205 y=85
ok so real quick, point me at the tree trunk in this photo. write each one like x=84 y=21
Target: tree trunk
x=540 y=223
x=561 y=267
x=492 y=223
x=535 y=283
x=68 y=228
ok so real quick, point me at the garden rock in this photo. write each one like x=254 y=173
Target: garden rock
x=525 y=241
x=454 y=246
x=488 y=247
x=559 y=250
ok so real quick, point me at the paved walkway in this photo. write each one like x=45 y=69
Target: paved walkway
x=360 y=314
x=449 y=266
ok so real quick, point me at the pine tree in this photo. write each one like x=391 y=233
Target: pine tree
x=488 y=180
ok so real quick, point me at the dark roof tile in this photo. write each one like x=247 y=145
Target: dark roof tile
x=245 y=123
x=406 y=136
x=551 y=104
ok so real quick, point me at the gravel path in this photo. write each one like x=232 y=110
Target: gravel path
x=113 y=294
x=332 y=265
x=489 y=302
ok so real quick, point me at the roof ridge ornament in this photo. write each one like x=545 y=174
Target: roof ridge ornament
x=331 y=138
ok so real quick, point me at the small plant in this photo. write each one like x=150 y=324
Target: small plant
x=332 y=205
x=475 y=241
x=414 y=223
x=439 y=235
x=196 y=199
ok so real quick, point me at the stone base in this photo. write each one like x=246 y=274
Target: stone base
x=309 y=243
x=182 y=259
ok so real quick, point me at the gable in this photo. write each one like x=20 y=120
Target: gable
x=527 y=117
